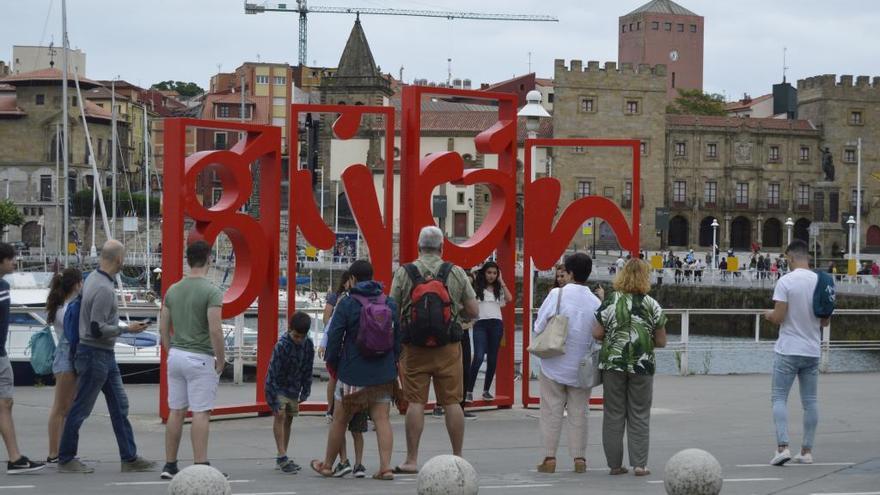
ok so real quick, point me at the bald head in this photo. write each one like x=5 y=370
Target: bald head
x=112 y=254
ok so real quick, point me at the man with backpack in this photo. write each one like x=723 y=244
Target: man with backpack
x=17 y=463
x=363 y=348
x=804 y=301
x=434 y=296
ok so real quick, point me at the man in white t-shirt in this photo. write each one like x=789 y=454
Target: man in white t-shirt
x=797 y=351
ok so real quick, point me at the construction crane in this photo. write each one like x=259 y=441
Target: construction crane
x=303 y=10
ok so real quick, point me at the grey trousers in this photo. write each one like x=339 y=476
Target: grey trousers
x=627 y=406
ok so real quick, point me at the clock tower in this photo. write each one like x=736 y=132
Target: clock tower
x=664 y=32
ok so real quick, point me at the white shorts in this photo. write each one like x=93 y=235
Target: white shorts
x=192 y=381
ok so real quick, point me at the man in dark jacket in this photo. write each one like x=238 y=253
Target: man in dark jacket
x=363 y=383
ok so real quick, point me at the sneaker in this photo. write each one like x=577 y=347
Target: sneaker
x=469 y=415
x=74 y=466
x=342 y=469
x=207 y=463
x=488 y=396
x=288 y=467
x=360 y=471
x=468 y=397
x=169 y=470
x=23 y=465
x=803 y=458
x=780 y=458
x=52 y=460
x=138 y=465
x=437 y=412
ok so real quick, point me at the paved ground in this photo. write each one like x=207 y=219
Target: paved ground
x=726 y=415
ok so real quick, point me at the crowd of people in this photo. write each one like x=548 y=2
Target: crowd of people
x=382 y=350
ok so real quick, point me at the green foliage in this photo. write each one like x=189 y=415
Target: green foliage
x=82 y=204
x=696 y=102
x=10 y=214
x=185 y=89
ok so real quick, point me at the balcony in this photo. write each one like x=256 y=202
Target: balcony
x=803 y=207
x=777 y=205
x=684 y=204
x=747 y=205
x=709 y=205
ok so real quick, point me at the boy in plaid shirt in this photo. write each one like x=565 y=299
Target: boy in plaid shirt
x=289 y=382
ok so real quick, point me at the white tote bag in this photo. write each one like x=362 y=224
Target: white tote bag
x=551 y=342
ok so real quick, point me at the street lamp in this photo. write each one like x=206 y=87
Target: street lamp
x=858 y=218
x=533 y=112
x=714 y=245
x=851 y=222
x=788 y=225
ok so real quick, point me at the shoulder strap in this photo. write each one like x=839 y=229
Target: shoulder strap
x=558 y=301
x=444 y=271
x=413 y=271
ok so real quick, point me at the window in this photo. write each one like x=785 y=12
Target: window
x=631 y=27
x=279 y=101
x=804 y=155
x=100 y=148
x=587 y=105
x=679 y=27
x=73 y=101
x=280 y=80
x=90 y=181
x=667 y=26
x=680 y=149
x=643 y=148
x=223 y=111
x=219 y=140
x=632 y=107
x=609 y=192
x=803 y=196
x=627 y=194
x=679 y=191
x=712 y=150
x=583 y=188
x=623 y=28
x=655 y=25
x=550 y=97
x=742 y=193
x=855 y=117
x=774 y=153
x=459 y=198
x=693 y=28
x=673 y=79
x=279 y=121
x=853 y=199
x=45 y=188
x=580 y=149
x=262 y=79
x=216 y=194
x=108 y=182
x=710 y=193
x=849 y=155
x=638 y=26
x=773 y=195
x=40 y=99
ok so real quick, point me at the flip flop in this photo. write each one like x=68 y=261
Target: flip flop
x=319 y=467
x=400 y=470
x=384 y=475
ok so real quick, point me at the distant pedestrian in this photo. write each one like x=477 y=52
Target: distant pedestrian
x=288 y=383
x=363 y=351
x=561 y=387
x=190 y=326
x=17 y=463
x=630 y=324
x=345 y=283
x=64 y=288
x=489 y=327
x=561 y=276
x=797 y=351
x=96 y=367
x=432 y=340
x=875 y=269
x=723 y=268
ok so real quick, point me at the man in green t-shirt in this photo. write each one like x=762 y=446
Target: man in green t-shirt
x=190 y=324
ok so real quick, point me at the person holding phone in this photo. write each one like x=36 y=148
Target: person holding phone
x=96 y=367
x=192 y=335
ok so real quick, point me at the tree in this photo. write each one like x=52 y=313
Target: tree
x=185 y=89
x=9 y=215
x=696 y=102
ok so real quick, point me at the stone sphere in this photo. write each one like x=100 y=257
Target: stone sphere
x=448 y=475
x=199 y=479
x=692 y=472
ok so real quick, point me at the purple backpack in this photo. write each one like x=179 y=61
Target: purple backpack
x=375 y=336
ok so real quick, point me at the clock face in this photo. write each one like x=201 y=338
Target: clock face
x=673 y=55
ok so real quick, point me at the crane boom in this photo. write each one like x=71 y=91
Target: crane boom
x=303 y=9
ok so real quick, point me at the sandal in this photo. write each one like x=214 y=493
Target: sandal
x=619 y=470
x=548 y=466
x=580 y=465
x=384 y=475
x=402 y=470
x=320 y=468
x=641 y=471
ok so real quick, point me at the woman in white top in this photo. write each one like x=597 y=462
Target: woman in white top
x=492 y=295
x=64 y=288
x=560 y=384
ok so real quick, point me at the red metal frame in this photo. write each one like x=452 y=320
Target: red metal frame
x=545 y=242
x=255 y=242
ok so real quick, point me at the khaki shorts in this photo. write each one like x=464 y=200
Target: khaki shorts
x=288 y=406
x=7 y=380
x=420 y=365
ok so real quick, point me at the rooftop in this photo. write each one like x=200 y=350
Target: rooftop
x=734 y=122
x=747 y=103
x=662 y=7
x=47 y=75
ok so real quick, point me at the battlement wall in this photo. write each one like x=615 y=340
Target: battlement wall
x=611 y=69
x=832 y=86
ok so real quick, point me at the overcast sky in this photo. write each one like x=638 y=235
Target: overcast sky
x=146 y=41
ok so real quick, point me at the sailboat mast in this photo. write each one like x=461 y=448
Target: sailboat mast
x=147 y=190
x=113 y=158
x=65 y=102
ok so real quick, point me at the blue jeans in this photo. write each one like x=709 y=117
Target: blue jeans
x=97 y=372
x=785 y=369
x=487 y=341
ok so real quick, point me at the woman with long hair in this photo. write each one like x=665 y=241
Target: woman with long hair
x=65 y=286
x=492 y=295
x=630 y=325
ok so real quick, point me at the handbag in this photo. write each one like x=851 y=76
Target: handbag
x=551 y=342
x=589 y=374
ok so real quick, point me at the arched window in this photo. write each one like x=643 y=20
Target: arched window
x=771 y=233
x=678 y=231
x=741 y=233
